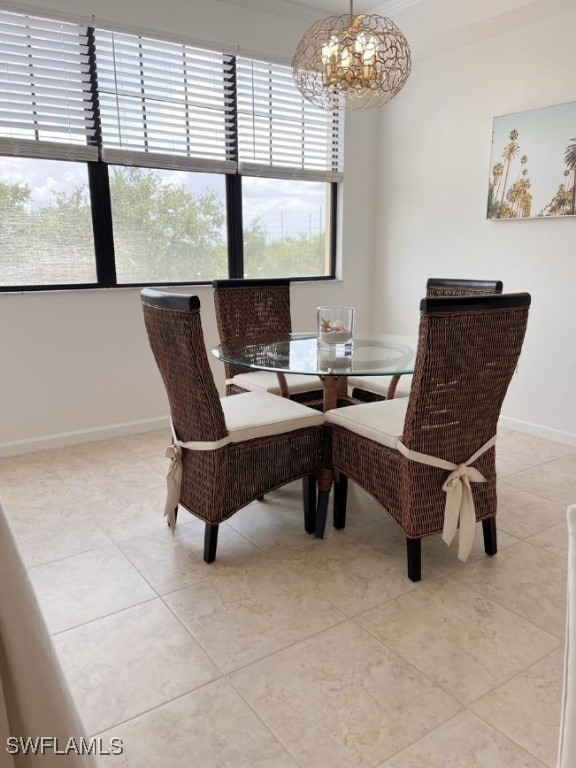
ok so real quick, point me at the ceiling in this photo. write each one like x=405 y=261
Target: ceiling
x=432 y=27
x=314 y=9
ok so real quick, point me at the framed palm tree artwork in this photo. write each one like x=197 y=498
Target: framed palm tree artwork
x=533 y=164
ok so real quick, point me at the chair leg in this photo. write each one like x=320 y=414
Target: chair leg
x=321 y=513
x=413 y=550
x=175 y=517
x=210 y=542
x=309 y=494
x=325 y=478
x=490 y=538
x=340 y=498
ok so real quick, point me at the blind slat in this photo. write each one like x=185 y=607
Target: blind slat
x=161 y=102
x=159 y=97
x=280 y=134
x=44 y=86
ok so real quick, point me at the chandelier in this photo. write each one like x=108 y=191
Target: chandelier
x=351 y=62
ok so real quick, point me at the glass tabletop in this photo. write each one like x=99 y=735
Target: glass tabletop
x=370 y=354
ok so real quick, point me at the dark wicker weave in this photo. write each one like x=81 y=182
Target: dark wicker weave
x=216 y=483
x=439 y=286
x=256 y=312
x=467 y=352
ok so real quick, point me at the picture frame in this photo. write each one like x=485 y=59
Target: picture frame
x=533 y=164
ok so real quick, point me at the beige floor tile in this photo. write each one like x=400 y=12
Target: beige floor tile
x=464 y=742
x=554 y=540
x=147 y=444
x=277 y=520
x=517 y=451
x=555 y=480
x=341 y=699
x=170 y=562
x=240 y=615
x=124 y=664
x=346 y=570
x=101 y=486
x=209 y=728
x=527 y=708
x=526 y=580
x=522 y=514
x=46 y=542
x=78 y=589
x=25 y=518
x=459 y=639
x=38 y=494
x=387 y=540
x=23 y=467
x=123 y=519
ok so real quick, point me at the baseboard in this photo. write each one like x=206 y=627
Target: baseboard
x=538 y=430
x=62 y=439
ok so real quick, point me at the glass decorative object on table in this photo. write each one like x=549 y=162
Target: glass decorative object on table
x=336 y=327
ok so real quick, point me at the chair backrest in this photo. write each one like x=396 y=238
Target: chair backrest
x=445 y=286
x=251 y=312
x=175 y=334
x=468 y=349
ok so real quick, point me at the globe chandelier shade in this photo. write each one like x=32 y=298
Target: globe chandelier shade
x=351 y=61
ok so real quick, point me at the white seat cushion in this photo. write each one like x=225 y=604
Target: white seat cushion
x=567 y=745
x=34 y=696
x=382 y=422
x=260 y=414
x=379 y=384
x=267 y=381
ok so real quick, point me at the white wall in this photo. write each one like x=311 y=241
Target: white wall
x=435 y=141
x=76 y=365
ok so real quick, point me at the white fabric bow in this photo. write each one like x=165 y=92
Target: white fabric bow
x=174 y=476
x=459 y=499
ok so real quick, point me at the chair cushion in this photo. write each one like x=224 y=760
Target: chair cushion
x=267 y=381
x=379 y=384
x=260 y=414
x=567 y=745
x=382 y=422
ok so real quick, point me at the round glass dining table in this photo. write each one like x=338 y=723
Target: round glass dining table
x=370 y=354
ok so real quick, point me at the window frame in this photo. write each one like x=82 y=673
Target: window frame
x=102 y=219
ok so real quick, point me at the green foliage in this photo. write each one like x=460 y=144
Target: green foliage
x=564 y=201
x=13 y=197
x=302 y=256
x=162 y=233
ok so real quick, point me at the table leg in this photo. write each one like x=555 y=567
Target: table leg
x=392 y=387
x=334 y=388
x=283 y=384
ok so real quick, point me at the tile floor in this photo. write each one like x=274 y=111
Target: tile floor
x=289 y=651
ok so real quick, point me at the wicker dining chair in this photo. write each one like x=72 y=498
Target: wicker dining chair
x=468 y=350
x=228 y=451
x=369 y=389
x=258 y=312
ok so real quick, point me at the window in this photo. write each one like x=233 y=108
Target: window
x=126 y=160
x=285 y=228
x=46 y=224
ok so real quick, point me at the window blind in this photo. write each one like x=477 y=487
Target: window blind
x=280 y=134
x=45 y=94
x=164 y=104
